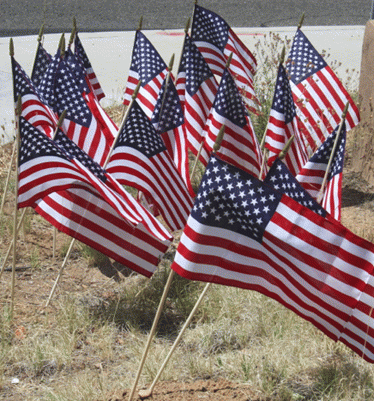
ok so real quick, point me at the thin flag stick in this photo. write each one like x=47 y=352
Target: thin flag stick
x=322 y=190
x=7 y=179
x=147 y=393
x=11 y=244
x=152 y=332
x=17 y=119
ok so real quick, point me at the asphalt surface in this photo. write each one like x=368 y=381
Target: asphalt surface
x=24 y=17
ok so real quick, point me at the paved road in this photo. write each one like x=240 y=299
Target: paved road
x=24 y=17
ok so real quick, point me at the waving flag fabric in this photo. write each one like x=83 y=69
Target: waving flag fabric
x=243 y=233
x=200 y=88
x=312 y=174
x=112 y=189
x=45 y=167
x=85 y=63
x=239 y=145
x=139 y=159
x=318 y=93
x=33 y=109
x=85 y=216
x=148 y=67
x=168 y=120
x=283 y=123
x=217 y=41
x=41 y=63
x=61 y=91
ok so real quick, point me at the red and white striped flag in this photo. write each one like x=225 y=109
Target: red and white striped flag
x=61 y=91
x=243 y=233
x=239 y=145
x=318 y=93
x=83 y=215
x=168 y=120
x=217 y=41
x=85 y=63
x=148 y=67
x=46 y=167
x=312 y=174
x=283 y=124
x=197 y=89
x=139 y=159
x=33 y=109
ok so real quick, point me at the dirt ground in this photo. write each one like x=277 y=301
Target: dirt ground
x=34 y=283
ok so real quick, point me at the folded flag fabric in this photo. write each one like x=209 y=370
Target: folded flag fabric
x=243 y=233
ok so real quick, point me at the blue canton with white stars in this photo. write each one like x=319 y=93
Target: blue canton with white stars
x=139 y=133
x=77 y=70
x=280 y=178
x=304 y=60
x=145 y=59
x=21 y=82
x=232 y=199
x=75 y=152
x=197 y=69
x=228 y=102
x=60 y=92
x=81 y=54
x=323 y=153
x=35 y=144
x=168 y=113
x=283 y=101
x=209 y=27
x=42 y=61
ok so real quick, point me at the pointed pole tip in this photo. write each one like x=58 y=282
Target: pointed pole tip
x=186 y=29
x=136 y=90
x=228 y=62
x=217 y=143
x=140 y=24
x=301 y=21
x=11 y=47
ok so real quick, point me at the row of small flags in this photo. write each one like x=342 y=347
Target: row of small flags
x=256 y=222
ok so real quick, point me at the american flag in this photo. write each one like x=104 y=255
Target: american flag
x=61 y=91
x=85 y=63
x=33 y=109
x=283 y=123
x=243 y=233
x=41 y=63
x=112 y=189
x=239 y=146
x=139 y=159
x=217 y=41
x=106 y=124
x=317 y=91
x=148 y=67
x=312 y=174
x=168 y=120
x=83 y=215
x=44 y=167
x=196 y=81
x=281 y=179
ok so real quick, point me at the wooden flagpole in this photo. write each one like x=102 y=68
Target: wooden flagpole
x=106 y=162
x=147 y=393
x=7 y=179
x=322 y=190
x=17 y=121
